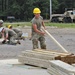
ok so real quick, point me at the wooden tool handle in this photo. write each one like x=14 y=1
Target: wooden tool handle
x=54 y=40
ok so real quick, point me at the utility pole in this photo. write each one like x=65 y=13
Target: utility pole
x=50 y=9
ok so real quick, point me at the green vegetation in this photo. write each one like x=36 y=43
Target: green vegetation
x=60 y=25
x=15 y=24
x=22 y=10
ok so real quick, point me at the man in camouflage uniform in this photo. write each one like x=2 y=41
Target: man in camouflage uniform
x=10 y=35
x=1 y=25
x=18 y=32
x=37 y=34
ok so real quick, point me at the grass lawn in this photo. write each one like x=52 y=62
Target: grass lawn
x=60 y=25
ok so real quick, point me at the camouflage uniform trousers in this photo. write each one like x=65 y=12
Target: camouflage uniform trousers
x=42 y=43
x=12 y=40
x=19 y=35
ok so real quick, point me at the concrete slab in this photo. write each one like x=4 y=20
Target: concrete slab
x=13 y=67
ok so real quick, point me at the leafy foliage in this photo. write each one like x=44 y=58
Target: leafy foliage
x=23 y=9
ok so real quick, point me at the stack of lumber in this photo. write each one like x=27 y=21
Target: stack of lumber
x=57 y=67
x=70 y=59
x=41 y=58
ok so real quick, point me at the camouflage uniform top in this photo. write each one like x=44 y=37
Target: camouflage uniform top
x=38 y=22
x=1 y=23
x=16 y=30
x=9 y=31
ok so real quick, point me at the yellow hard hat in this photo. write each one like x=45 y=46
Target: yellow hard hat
x=36 y=10
x=9 y=26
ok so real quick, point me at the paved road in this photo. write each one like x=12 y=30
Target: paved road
x=13 y=67
x=65 y=36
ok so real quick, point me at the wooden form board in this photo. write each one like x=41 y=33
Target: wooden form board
x=52 y=52
x=34 y=57
x=66 y=57
x=57 y=67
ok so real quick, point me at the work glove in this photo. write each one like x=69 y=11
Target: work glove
x=3 y=42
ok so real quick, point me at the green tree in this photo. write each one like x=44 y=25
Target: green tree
x=23 y=9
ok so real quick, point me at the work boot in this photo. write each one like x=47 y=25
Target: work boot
x=4 y=41
x=18 y=42
x=23 y=38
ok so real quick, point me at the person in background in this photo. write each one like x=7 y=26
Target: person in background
x=37 y=33
x=18 y=32
x=9 y=35
x=1 y=25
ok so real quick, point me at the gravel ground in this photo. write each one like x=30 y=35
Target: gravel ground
x=65 y=36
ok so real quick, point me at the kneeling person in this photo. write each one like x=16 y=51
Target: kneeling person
x=10 y=35
x=18 y=31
